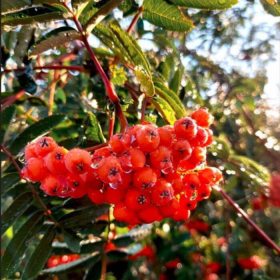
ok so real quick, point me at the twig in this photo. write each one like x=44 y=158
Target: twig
x=144 y=105
x=247 y=219
x=12 y=99
x=35 y=193
x=96 y=147
x=111 y=126
x=52 y=92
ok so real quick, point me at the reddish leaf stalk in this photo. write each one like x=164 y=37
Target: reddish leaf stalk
x=34 y=192
x=96 y=147
x=244 y=215
x=12 y=99
x=111 y=126
x=52 y=92
x=144 y=105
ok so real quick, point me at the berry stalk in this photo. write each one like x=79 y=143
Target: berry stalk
x=244 y=215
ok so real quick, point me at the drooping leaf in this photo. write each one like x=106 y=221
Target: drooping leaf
x=206 y=4
x=76 y=265
x=72 y=240
x=123 y=241
x=7 y=116
x=35 y=130
x=15 y=210
x=31 y=16
x=271 y=7
x=55 y=38
x=171 y=98
x=116 y=255
x=9 y=181
x=83 y=216
x=18 y=244
x=93 y=129
x=40 y=255
x=164 y=109
x=101 y=14
x=175 y=82
x=163 y=14
x=94 y=272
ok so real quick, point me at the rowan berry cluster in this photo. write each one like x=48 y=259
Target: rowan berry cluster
x=54 y=260
x=148 y=173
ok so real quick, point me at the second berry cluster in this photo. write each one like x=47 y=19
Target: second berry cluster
x=148 y=172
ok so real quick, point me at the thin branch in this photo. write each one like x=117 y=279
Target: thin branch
x=12 y=99
x=144 y=105
x=111 y=126
x=52 y=92
x=244 y=215
x=96 y=147
x=35 y=193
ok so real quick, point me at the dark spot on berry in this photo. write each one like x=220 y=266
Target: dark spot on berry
x=80 y=166
x=187 y=124
x=113 y=171
x=192 y=186
x=141 y=199
x=54 y=190
x=126 y=153
x=146 y=185
x=164 y=194
x=120 y=136
x=165 y=160
x=58 y=156
x=152 y=134
x=76 y=184
x=181 y=151
x=44 y=143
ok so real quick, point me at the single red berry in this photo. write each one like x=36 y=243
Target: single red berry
x=52 y=185
x=200 y=138
x=202 y=117
x=176 y=181
x=96 y=196
x=209 y=138
x=181 y=150
x=185 y=128
x=119 y=142
x=132 y=159
x=170 y=210
x=147 y=138
x=126 y=181
x=137 y=200
x=91 y=180
x=145 y=178
x=165 y=135
x=162 y=193
x=218 y=174
x=191 y=185
x=29 y=151
x=35 y=169
x=53 y=261
x=110 y=171
x=45 y=145
x=197 y=157
x=78 y=161
x=204 y=192
x=113 y=196
x=207 y=175
x=55 y=161
x=123 y=214
x=99 y=155
x=187 y=202
x=150 y=215
x=76 y=184
x=161 y=159
x=181 y=215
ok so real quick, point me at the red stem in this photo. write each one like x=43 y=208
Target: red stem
x=12 y=99
x=96 y=147
x=144 y=105
x=111 y=126
x=248 y=220
x=134 y=20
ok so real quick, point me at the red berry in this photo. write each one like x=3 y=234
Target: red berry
x=52 y=185
x=123 y=214
x=53 y=261
x=170 y=210
x=209 y=138
x=207 y=175
x=181 y=150
x=204 y=192
x=29 y=151
x=182 y=214
x=176 y=181
x=113 y=196
x=55 y=161
x=187 y=202
x=119 y=142
x=144 y=178
x=35 y=169
x=45 y=145
x=99 y=155
x=91 y=180
x=137 y=200
x=126 y=181
x=150 y=215
x=110 y=171
x=161 y=159
x=162 y=193
x=77 y=185
x=185 y=128
x=165 y=135
x=132 y=159
x=96 y=196
x=200 y=138
x=147 y=138
x=203 y=117
x=78 y=161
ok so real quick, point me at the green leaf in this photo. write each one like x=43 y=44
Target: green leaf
x=175 y=83
x=163 y=14
x=164 y=109
x=72 y=240
x=118 y=76
x=32 y=16
x=128 y=6
x=101 y=14
x=123 y=241
x=116 y=255
x=15 y=5
x=171 y=98
x=9 y=181
x=18 y=244
x=7 y=116
x=220 y=148
x=79 y=5
x=15 y=210
x=271 y=7
x=76 y=265
x=55 y=38
x=93 y=129
x=94 y=272
x=35 y=130
x=40 y=255
x=81 y=217
x=206 y=4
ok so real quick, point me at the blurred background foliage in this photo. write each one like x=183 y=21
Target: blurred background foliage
x=222 y=64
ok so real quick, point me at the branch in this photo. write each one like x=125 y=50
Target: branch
x=96 y=147
x=244 y=215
